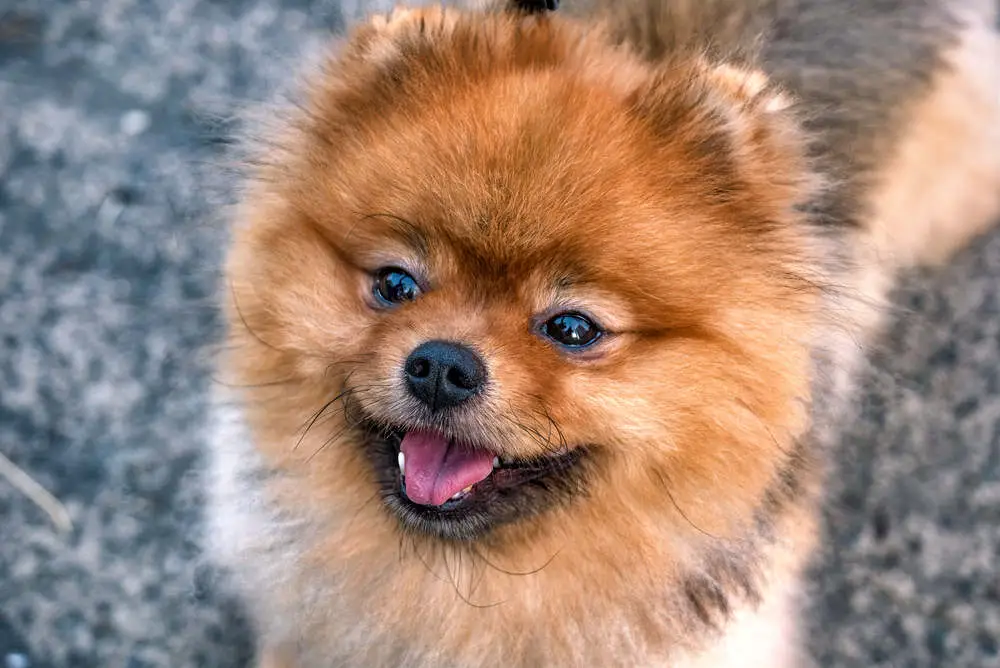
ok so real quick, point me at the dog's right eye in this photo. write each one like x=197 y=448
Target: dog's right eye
x=395 y=286
x=572 y=330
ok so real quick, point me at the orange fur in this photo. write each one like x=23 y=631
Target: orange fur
x=521 y=163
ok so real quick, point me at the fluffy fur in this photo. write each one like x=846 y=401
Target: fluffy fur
x=727 y=186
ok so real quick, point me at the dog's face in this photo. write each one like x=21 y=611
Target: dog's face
x=515 y=283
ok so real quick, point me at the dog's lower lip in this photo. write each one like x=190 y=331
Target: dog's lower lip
x=505 y=463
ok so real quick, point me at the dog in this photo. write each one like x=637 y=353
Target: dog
x=532 y=312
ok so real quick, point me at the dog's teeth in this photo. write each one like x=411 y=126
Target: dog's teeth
x=461 y=493
x=506 y=461
x=496 y=462
x=402 y=463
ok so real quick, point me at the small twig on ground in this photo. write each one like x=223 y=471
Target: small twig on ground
x=40 y=496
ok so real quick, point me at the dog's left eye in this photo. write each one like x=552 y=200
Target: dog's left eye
x=573 y=330
x=395 y=286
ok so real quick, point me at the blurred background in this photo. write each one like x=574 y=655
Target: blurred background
x=113 y=135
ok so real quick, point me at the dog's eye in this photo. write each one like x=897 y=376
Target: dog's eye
x=395 y=286
x=572 y=330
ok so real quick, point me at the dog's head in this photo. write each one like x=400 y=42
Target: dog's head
x=512 y=281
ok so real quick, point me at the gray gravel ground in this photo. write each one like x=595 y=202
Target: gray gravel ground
x=109 y=146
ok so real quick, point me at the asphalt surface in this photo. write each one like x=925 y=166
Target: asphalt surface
x=113 y=134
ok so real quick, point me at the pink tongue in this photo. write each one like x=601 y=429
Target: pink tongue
x=436 y=470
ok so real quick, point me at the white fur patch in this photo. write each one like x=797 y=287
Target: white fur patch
x=943 y=185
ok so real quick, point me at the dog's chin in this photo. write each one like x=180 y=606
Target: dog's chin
x=515 y=490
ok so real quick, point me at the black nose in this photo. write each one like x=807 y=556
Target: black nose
x=443 y=374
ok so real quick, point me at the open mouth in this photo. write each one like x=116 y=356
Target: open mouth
x=457 y=490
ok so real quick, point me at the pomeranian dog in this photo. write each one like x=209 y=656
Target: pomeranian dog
x=533 y=315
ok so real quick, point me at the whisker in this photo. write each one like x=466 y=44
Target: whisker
x=317 y=415
x=764 y=426
x=246 y=325
x=358 y=511
x=458 y=589
x=665 y=482
x=416 y=551
x=516 y=573
x=328 y=442
x=251 y=386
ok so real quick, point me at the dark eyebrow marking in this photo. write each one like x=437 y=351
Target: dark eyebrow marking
x=565 y=281
x=405 y=230
x=572 y=273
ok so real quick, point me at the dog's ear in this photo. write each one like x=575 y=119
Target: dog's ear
x=533 y=6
